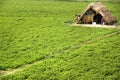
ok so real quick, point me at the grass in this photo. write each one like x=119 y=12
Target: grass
x=95 y=61
x=31 y=30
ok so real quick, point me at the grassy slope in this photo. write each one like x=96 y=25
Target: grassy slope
x=95 y=61
x=31 y=30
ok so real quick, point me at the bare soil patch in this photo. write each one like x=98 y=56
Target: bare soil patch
x=96 y=25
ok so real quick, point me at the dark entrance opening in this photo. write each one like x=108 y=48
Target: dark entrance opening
x=97 y=18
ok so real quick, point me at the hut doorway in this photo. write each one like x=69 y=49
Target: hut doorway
x=97 y=18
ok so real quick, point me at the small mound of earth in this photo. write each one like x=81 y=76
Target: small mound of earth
x=96 y=25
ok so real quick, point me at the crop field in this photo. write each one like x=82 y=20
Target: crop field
x=36 y=44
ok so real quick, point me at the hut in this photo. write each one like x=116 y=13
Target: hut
x=98 y=13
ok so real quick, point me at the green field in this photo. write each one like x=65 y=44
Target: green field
x=35 y=44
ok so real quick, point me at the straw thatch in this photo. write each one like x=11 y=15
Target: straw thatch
x=97 y=9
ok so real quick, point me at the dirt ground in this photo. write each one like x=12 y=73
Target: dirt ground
x=96 y=25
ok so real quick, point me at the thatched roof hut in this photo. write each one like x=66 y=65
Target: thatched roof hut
x=95 y=12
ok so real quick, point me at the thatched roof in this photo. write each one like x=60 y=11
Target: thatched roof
x=99 y=8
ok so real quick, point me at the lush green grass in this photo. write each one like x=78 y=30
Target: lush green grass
x=31 y=30
x=95 y=61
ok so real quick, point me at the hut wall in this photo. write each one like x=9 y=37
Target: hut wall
x=87 y=18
